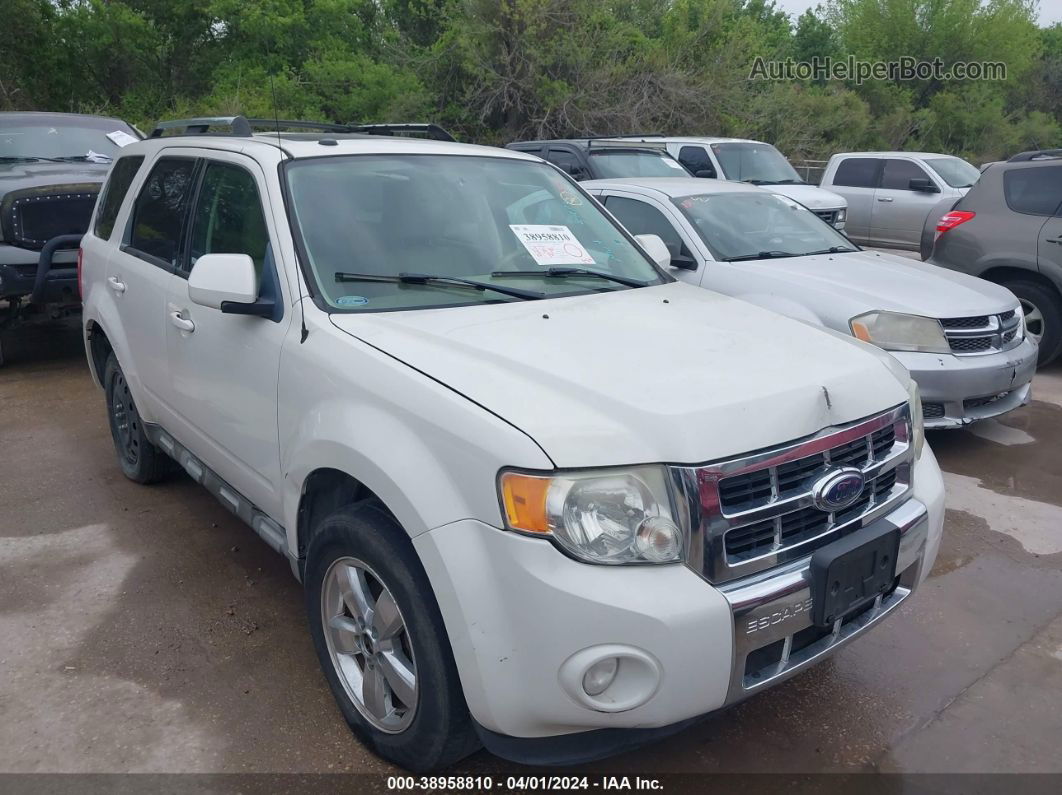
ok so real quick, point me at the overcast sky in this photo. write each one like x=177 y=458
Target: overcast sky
x=1050 y=10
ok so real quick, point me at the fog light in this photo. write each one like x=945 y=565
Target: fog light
x=600 y=675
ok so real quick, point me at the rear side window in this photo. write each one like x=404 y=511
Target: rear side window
x=1034 y=191
x=643 y=219
x=158 y=216
x=228 y=216
x=857 y=172
x=114 y=191
x=696 y=158
x=566 y=161
x=898 y=174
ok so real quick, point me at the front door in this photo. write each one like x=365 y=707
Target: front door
x=224 y=367
x=900 y=213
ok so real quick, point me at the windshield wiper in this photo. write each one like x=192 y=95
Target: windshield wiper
x=832 y=250
x=27 y=159
x=762 y=255
x=560 y=271
x=430 y=279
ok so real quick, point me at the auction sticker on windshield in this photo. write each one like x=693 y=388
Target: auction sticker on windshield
x=552 y=245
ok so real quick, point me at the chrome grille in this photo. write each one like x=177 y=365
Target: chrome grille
x=981 y=333
x=829 y=216
x=756 y=512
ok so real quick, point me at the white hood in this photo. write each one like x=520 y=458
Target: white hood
x=812 y=197
x=672 y=373
x=868 y=280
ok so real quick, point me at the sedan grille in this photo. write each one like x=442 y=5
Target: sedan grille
x=981 y=333
x=757 y=512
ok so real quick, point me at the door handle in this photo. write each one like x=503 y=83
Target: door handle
x=884 y=198
x=116 y=284
x=1054 y=240
x=184 y=324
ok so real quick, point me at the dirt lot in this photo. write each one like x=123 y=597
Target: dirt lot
x=146 y=629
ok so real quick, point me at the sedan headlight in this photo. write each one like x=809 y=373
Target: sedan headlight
x=610 y=516
x=895 y=332
x=918 y=428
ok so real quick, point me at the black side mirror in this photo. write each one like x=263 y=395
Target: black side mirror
x=705 y=173
x=923 y=185
x=684 y=262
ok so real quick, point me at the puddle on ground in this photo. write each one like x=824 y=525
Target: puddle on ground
x=995 y=431
x=1037 y=526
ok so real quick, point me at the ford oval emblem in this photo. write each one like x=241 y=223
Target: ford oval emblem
x=837 y=489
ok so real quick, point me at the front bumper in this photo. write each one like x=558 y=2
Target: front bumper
x=19 y=269
x=519 y=615
x=958 y=390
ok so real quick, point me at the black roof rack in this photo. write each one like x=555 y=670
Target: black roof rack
x=243 y=127
x=432 y=131
x=1036 y=154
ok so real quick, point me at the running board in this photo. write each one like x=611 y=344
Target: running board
x=269 y=531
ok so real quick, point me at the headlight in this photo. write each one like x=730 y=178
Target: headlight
x=840 y=218
x=1021 y=323
x=610 y=516
x=896 y=332
x=918 y=429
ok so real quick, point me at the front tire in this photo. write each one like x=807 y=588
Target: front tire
x=381 y=641
x=1043 y=317
x=139 y=459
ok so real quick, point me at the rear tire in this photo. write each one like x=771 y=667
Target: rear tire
x=139 y=459
x=394 y=678
x=1043 y=313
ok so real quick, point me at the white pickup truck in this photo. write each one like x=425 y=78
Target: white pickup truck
x=542 y=497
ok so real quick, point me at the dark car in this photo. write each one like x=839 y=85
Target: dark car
x=605 y=158
x=1008 y=229
x=51 y=168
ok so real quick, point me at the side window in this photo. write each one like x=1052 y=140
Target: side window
x=121 y=177
x=1034 y=191
x=228 y=216
x=857 y=172
x=696 y=158
x=640 y=218
x=158 y=216
x=566 y=161
x=898 y=174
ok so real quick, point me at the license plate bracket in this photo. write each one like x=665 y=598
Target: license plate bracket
x=853 y=570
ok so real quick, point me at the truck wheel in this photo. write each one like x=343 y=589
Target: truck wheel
x=1043 y=317
x=139 y=459
x=381 y=642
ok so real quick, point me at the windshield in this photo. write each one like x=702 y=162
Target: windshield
x=457 y=217
x=759 y=225
x=621 y=165
x=760 y=164
x=955 y=171
x=59 y=138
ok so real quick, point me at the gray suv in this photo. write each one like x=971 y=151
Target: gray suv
x=1008 y=229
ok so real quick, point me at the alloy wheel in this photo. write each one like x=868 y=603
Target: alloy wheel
x=1034 y=321
x=369 y=645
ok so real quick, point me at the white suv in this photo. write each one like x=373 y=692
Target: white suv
x=534 y=487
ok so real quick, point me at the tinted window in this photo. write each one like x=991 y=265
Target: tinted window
x=160 y=208
x=1036 y=191
x=643 y=219
x=566 y=161
x=955 y=171
x=696 y=158
x=898 y=174
x=114 y=191
x=228 y=217
x=857 y=172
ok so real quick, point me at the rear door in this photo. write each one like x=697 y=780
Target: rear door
x=899 y=213
x=856 y=179
x=224 y=369
x=1042 y=189
x=140 y=275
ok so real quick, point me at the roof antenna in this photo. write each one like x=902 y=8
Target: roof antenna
x=305 y=332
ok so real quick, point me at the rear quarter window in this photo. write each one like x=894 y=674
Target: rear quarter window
x=857 y=172
x=1034 y=191
x=121 y=177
